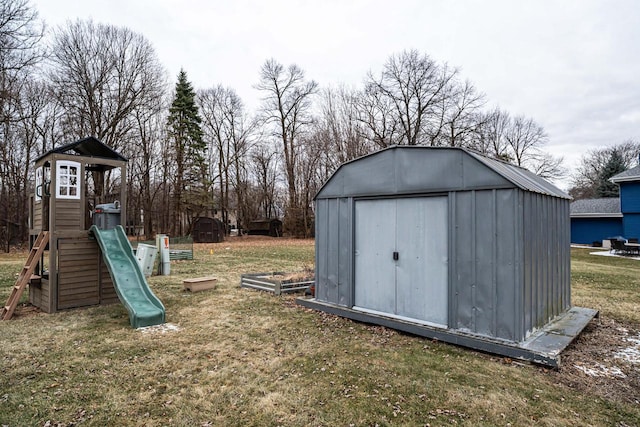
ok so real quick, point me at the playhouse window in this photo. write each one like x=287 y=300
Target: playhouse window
x=38 y=195
x=68 y=180
x=43 y=179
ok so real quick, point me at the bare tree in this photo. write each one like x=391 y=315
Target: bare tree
x=226 y=132
x=20 y=34
x=524 y=136
x=264 y=162
x=145 y=163
x=490 y=135
x=519 y=141
x=414 y=85
x=546 y=165
x=18 y=147
x=287 y=106
x=339 y=127
x=462 y=116
x=101 y=73
x=377 y=115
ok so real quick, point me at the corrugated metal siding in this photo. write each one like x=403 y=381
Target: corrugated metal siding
x=462 y=255
x=484 y=261
x=589 y=230
x=333 y=241
x=322 y=248
x=334 y=249
x=508 y=256
x=546 y=259
x=345 y=266
x=630 y=197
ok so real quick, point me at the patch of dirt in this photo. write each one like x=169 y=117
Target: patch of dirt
x=160 y=329
x=26 y=310
x=604 y=360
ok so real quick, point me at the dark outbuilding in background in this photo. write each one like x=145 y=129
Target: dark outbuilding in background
x=449 y=244
x=266 y=227
x=207 y=230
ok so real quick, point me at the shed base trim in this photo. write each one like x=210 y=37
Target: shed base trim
x=542 y=347
x=402 y=318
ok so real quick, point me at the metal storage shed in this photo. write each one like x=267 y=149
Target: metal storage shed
x=448 y=244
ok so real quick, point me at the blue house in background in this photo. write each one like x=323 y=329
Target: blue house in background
x=629 y=182
x=594 y=220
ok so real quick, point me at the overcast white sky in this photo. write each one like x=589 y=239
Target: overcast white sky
x=573 y=66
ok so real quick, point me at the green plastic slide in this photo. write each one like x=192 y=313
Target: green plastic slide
x=145 y=309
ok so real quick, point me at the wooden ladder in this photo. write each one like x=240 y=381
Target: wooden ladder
x=25 y=275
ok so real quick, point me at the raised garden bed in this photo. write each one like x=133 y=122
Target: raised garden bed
x=199 y=284
x=278 y=282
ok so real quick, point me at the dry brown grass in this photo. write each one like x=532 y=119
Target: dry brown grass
x=244 y=357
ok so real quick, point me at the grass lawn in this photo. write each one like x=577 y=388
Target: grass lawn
x=241 y=357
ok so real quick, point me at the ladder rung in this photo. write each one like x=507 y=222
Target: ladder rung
x=22 y=281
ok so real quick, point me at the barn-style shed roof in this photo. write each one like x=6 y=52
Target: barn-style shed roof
x=88 y=147
x=415 y=169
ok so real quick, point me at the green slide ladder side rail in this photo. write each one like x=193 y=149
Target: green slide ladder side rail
x=145 y=309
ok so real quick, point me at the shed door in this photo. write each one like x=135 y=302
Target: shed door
x=415 y=284
x=375 y=243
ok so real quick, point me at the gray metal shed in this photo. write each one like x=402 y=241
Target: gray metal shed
x=448 y=244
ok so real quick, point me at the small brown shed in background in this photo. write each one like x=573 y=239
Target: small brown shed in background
x=207 y=230
x=266 y=227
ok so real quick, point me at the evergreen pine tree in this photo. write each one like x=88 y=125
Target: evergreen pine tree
x=186 y=137
x=614 y=166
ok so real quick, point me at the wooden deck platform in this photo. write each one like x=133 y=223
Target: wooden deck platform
x=543 y=347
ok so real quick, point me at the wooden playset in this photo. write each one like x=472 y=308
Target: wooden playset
x=80 y=254
x=70 y=182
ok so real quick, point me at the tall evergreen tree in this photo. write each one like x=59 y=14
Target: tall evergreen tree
x=185 y=134
x=615 y=164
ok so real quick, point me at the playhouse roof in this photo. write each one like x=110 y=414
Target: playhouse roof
x=88 y=147
x=632 y=174
x=406 y=169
